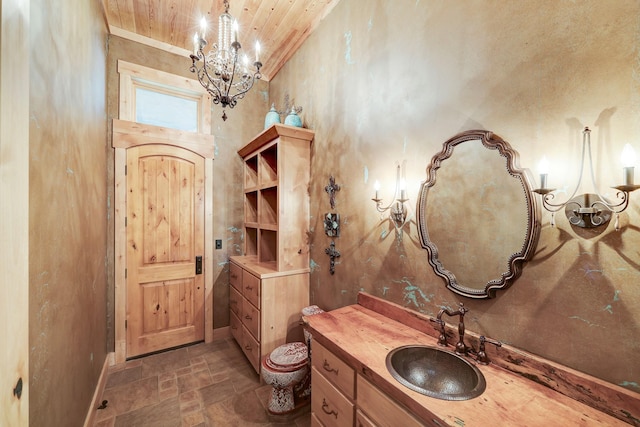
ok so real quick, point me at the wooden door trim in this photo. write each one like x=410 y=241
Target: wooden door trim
x=201 y=142
x=128 y=134
x=124 y=134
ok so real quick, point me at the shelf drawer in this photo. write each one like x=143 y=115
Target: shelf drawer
x=235 y=302
x=251 y=349
x=236 y=327
x=251 y=288
x=235 y=276
x=330 y=406
x=251 y=318
x=334 y=369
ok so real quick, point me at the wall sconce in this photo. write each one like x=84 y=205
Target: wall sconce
x=590 y=210
x=397 y=209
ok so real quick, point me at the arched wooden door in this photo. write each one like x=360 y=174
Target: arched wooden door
x=165 y=248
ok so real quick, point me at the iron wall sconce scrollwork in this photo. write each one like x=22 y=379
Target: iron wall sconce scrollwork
x=590 y=210
x=397 y=207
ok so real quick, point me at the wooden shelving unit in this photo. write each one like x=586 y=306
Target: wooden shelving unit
x=270 y=282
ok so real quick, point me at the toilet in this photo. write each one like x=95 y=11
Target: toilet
x=287 y=370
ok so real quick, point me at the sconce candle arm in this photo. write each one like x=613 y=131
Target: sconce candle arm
x=598 y=209
x=393 y=199
x=547 y=193
x=397 y=207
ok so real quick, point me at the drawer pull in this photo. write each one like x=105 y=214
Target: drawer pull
x=247 y=347
x=249 y=288
x=234 y=276
x=328 y=367
x=248 y=317
x=325 y=409
x=234 y=327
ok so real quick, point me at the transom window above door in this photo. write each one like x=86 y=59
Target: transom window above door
x=166 y=109
x=157 y=98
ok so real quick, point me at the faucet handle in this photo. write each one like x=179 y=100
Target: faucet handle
x=442 y=339
x=482 y=357
x=462 y=308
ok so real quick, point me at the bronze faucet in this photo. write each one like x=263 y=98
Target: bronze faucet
x=461 y=347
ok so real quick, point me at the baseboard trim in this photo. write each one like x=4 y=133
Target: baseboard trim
x=221 y=333
x=97 y=394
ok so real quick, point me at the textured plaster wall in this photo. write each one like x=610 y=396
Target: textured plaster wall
x=67 y=209
x=243 y=123
x=384 y=83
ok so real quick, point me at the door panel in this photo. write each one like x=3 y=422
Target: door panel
x=165 y=233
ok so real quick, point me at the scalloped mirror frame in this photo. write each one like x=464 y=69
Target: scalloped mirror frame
x=517 y=260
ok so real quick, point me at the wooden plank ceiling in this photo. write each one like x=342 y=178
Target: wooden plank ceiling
x=279 y=25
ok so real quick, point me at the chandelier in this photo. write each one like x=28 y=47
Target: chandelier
x=221 y=72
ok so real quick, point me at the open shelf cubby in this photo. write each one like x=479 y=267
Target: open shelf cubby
x=251 y=207
x=251 y=172
x=268 y=210
x=250 y=241
x=268 y=245
x=269 y=165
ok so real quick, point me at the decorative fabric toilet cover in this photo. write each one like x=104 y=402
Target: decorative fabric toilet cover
x=288 y=357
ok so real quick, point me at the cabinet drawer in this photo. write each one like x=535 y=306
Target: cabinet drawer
x=315 y=422
x=251 y=319
x=362 y=420
x=334 y=369
x=251 y=288
x=251 y=349
x=235 y=302
x=383 y=411
x=330 y=406
x=235 y=276
x=236 y=327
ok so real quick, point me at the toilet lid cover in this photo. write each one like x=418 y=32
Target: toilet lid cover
x=311 y=310
x=288 y=356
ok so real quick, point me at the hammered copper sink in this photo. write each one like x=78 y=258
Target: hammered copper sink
x=435 y=372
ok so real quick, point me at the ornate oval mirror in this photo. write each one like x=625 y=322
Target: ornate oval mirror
x=477 y=216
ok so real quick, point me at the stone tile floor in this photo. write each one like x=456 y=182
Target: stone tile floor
x=201 y=385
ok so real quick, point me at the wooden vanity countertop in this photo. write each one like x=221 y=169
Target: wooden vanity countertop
x=363 y=337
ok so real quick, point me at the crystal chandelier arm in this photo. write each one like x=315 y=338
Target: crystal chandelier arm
x=244 y=85
x=205 y=78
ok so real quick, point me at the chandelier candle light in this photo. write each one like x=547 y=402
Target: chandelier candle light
x=219 y=70
x=590 y=210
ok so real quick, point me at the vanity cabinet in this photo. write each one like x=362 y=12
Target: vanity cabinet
x=362 y=335
x=341 y=398
x=270 y=282
x=378 y=409
x=333 y=388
